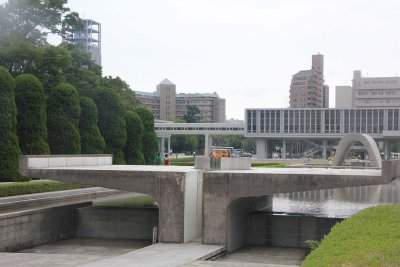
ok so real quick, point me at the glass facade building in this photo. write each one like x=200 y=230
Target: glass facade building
x=312 y=121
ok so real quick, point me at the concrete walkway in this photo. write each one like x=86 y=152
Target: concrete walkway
x=161 y=255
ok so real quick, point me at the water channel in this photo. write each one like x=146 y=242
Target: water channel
x=337 y=203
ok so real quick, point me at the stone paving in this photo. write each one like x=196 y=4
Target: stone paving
x=71 y=252
x=256 y=256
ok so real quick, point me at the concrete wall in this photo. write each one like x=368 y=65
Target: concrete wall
x=237 y=219
x=26 y=229
x=114 y=222
x=287 y=230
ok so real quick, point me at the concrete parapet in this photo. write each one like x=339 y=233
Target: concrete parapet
x=223 y=163
x=202 y=163
x=390 y=169
x=45 y=161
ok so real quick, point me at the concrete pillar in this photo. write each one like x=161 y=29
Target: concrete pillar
x=207 y=144
x=169 y=144
x=388 y=149
x=260 y=147
x=162 y=145
x=283 y=149
x=269 y=150
x=324 y=148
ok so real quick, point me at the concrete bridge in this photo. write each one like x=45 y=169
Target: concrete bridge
x=195 y=204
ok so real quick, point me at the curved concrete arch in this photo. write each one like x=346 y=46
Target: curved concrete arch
x=348 y=140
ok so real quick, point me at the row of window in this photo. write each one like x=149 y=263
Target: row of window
x=317 y=121
x=199 y=129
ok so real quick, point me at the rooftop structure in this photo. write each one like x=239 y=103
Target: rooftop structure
x=89 y=37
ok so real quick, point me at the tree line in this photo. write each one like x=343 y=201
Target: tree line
x=54 y=99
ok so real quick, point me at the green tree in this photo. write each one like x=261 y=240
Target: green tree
x=9 y=146
x=184 y=143
x=31 y=115
x=149 y=140
x=63 y=112
x=133 y=147
x=33 y=20
x=111 y=123
x=191 y=115
x=123 y=90
x=91 y=140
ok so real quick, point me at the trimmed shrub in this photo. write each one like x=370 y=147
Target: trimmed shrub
x=23 y=188
x=133 y=147
x=111 y=123
x=9 y=147
x=149 y=139
x=31 y=115
x=91 y=140
x=63 y=112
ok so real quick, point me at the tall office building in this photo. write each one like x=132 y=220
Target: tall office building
x=166 y=104
x=369 y=92
x=89 y=37
x=307 y=89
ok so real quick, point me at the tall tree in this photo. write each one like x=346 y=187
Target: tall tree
x=123 y=90
x=91 y=140
x=63 y=111
x=191 y=114
x=133 y=147
x=31 y=115
x=111 y=123
x=149 y=140
x=9 y=146
x=33 y=20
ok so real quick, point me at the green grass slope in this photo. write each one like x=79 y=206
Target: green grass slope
x=368 y=238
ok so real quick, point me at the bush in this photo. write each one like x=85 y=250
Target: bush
x=63 y=111
x=133 y=147
x=92 y=142
x=31 y=115
x=111 y=123
x=14 y=189
x=149 y=140
x=268 y=164
x=9 y=146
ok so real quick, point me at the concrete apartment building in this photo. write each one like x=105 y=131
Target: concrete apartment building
x=369 y=92
x=166 y=104
x=307 y=89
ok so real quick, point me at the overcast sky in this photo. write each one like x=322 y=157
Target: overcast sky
x=247 y=50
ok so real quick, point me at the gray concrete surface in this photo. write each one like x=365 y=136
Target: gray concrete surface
x=71 y=252
x=175 y=188
x=116 y=222
x=222 y=188
x=160 y=255
x=24 y=229
x=256 y=256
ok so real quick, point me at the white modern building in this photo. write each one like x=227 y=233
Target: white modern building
x=369 y=92
x=317 y=130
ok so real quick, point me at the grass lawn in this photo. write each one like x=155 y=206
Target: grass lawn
x=132 y=202
x=22 y=188
x=368 y=238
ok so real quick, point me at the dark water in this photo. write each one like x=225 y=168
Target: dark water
x=337 y=203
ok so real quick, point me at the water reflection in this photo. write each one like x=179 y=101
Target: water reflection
x=337 y=203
